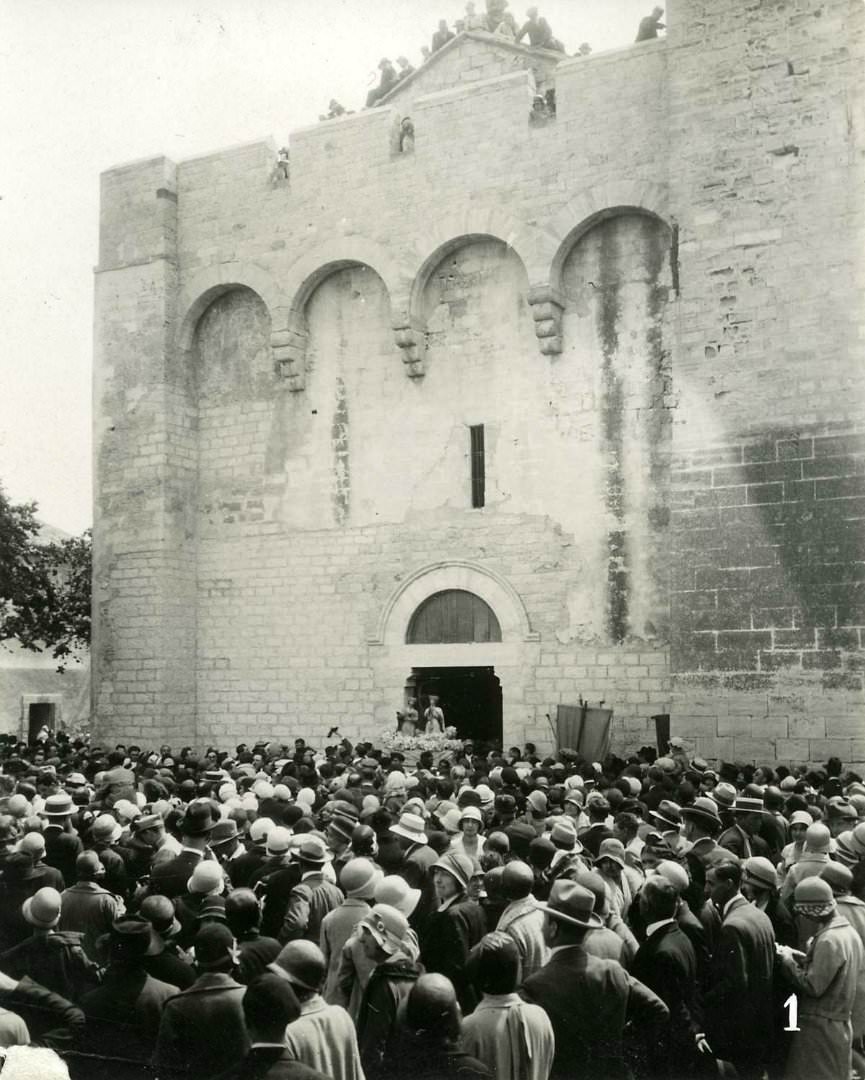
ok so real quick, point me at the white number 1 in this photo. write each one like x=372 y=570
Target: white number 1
x=792 y=1003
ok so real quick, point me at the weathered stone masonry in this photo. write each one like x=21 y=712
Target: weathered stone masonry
x=653 y=304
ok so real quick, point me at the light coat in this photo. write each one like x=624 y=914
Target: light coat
x=323 y=1037
x=826 y=980
x=512 y=1037
x=523 y=921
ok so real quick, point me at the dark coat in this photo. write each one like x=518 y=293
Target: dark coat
x=241 y=869
x=593 y=836
x=667 y=964
x=735 y=839
x=123 y=1017
x=202 y=1030
x=169 y=967
x=170 y=878
x=738 y=1000
x=272 y=883
x=588 y=1001
x=56 y=961
x=448 y=937
x=388 y=986
x=271 y=1063
x=51 y=1020
x=61 y=850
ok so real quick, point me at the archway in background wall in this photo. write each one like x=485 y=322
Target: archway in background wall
x=497 y=672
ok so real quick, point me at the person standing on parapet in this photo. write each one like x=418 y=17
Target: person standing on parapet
x=650 y=25
x=442 y=36
x=539 y=31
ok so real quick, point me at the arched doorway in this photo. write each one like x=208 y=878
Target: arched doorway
x=470 y=696
x=459 y=630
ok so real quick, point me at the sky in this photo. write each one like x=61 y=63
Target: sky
x=89 y=84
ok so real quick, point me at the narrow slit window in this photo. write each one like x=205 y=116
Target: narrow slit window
x=479 y=475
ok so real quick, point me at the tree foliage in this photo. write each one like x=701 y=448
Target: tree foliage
x=45 y=587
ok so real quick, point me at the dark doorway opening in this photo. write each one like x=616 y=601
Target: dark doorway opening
x=39 y=716
x=471 y=698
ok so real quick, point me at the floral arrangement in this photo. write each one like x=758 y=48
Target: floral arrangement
x=438 y=742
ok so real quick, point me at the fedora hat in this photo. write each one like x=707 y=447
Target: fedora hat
x=198 y=819
x=59 y=806
x=223 y=832
x=724 y=795
x=411 y=827
x=312 y=850
x=572 y=903
x=131 y=937
x=668 y=813
x=704 y=811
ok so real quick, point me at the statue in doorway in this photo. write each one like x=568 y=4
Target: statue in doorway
x=407 y=719
x=434 y=717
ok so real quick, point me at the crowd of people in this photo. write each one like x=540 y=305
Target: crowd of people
x=290 y=912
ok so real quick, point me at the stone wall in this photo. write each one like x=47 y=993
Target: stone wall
x=634 y=299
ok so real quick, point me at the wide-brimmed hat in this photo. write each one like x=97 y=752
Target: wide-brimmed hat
x=59 y=806
x=704 y=811
x=572 y=903
x=42 y=910
x=745 y=805
x=223 y=832
x=724 y=795
x=461 y=867
x=411 y=827
x=668 y=813
x=198 y=819
x=312 y=850
x=131 y=937
x=395 y=891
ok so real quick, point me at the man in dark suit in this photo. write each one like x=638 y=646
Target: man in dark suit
x=269 y=1005
x=170 y=878
x=743 y=837
x=202 y=1030
x=667 y=963
x=588 y=1000
x=738 y=999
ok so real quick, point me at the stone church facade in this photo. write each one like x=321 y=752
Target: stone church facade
x=570 y=404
